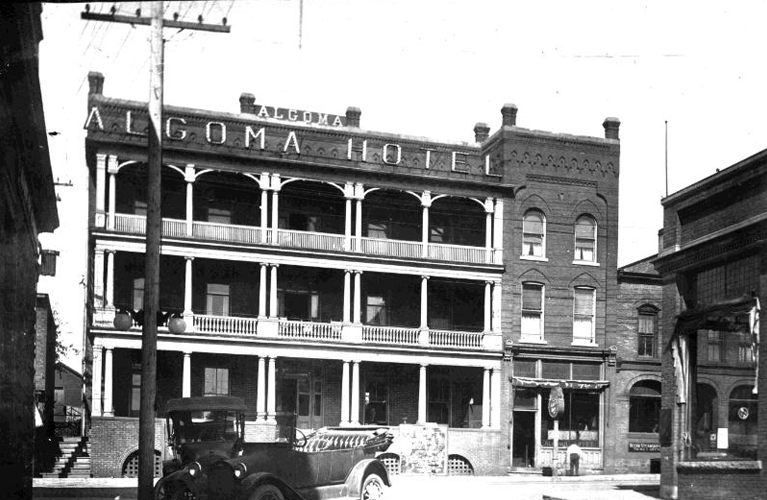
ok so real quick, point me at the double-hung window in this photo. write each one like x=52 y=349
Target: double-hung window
x=583 y=315
x=532 y=311
x=216 y=381
x=585 y=239
x=534 y=234
x=647 y=329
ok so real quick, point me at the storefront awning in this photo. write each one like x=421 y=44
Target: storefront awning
x=725 y=316
x=564 y=384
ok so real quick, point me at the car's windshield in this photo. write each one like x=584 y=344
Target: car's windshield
x=195 y=426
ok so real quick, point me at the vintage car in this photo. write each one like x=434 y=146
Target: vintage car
x=217 y=464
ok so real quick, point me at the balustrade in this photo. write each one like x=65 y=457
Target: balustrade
x=390 y=335
x=309 y=240
x=309 y=330
x=205 y=323
x=450 y=338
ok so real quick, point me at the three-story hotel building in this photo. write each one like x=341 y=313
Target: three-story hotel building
x=340 y=276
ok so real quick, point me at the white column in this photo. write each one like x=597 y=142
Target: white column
x=264 y=185
x=112 y=196
x=189 y=177
x=188 y=289
x=109 y=410
x=270 y=392
x=496 y=320
x=489 y=229
x=273 y=312
x=426 y=204
x=355 y=406
x=347 y=296
x=275 y=185
x=486 y=399
x=359 y=194
x=422 y=394
x=261 y=389
x=186 y=376
x=262 y=292
x=348 y=195
x=498 y=232
x=109 y=285
x=98 y=278
x=345 y=394
x=96 y=371
x=357 y=296
x=495 y=399
x=424 y=302
x=101 y=167
x=488 y=306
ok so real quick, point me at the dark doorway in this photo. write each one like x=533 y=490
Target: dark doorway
x=523 y=453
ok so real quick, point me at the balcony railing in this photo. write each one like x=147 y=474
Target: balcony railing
x=390 y=335
x=205 y=323
x=309 y=330
x=209 y=231
x=450 y=338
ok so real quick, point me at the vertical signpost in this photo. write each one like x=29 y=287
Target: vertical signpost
x=153 y=230
x=556 y=409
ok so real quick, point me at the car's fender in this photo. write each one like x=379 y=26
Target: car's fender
x=179 y=477
x=252 y=481
x=360 y=471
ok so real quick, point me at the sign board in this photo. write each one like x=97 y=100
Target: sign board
x=422 y=448
x=556 y=402
x=644 y=447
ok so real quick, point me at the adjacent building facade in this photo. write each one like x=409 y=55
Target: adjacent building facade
x=341 y=276
x=713 y=265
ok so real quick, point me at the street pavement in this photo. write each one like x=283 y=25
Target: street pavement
x=410 y=487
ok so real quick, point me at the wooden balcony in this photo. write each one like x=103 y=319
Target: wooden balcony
x=232 y=233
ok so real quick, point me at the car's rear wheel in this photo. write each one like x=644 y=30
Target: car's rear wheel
x=266 y=492
x=372 y=488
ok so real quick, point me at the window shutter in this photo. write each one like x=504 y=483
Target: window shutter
x=584 y=302
x=531 y=297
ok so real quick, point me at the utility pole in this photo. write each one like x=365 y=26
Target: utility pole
x=147 y=411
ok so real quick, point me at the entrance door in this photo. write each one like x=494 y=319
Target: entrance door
x=302 y=395
x=523 y=453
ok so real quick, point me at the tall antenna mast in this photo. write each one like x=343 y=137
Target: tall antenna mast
x=666 y=122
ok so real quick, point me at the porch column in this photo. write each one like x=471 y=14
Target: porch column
x=270 y=392
x=347 y=296
x=357 y=296
x=486 y=399
x=496 y=319
x=261 y=389
x=264 y=185
x=273 y=312
x=359 y=195
x=488 y=306
x=96 y=408
x=112 y=171
x=101 y=166
x=495 y=399
x=426 y=204
x=189 y=177
x=424 y=302
x=98 y=279
x=355 y=406
x=489 y=229
x=186 y=377
x=188 y=314
x=109 y=410
x=498 y=232
x=275 y=185
x=345 y=394
x=422 y=394
x=109 y=285
x=348 y=195
x=262 y=291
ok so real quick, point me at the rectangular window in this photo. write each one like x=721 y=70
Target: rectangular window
x=376 y=313
x=138 y=294
x=646 y=334
x=219 y=215
x=439 y=400
x=135 y=395
x=217 y=300
x=216 y=382
x=579 y=422
x=715 y=341
x=376 y=406
x=583 y=315
x=532 y=311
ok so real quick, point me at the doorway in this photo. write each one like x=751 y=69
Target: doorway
x=523 y=448
x=302 y=396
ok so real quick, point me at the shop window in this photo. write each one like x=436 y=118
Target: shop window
x=706 y=419
x=644 y=406
x=533 y=234
x=532 y=311
x=647 y=331
x=583 y=315
x=525 y=368
x=742 y=423
x=580 y=420
x=217 y=300
x=216 y=381
x=585 y=239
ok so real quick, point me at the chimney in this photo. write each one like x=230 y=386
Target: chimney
x=95 y=83
x=353 y=116
x=247 y=103
x=509 y=114
x=481 y=132
x=611 y=126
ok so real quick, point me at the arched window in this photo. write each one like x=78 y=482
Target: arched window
x=644 y=406
x=534 y=234
x=532 y=311
x=585 y=239
x=647 y=331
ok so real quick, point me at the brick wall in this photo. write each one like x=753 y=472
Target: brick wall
x=112 y=440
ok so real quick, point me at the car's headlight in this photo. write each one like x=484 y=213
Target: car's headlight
x=240 y=471
x=194 y=469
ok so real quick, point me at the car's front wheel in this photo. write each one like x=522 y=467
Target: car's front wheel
x=266 y=492
x=372 y=488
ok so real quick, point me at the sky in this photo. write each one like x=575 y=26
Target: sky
x=685 y=78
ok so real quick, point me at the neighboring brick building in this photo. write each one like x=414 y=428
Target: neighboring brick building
x=27 y=208
x=713 y=264
x=353 y=277
x=45 y=361
x=635 y=394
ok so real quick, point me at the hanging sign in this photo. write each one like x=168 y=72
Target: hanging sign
x=556 y=402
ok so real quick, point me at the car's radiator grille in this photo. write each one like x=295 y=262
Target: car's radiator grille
x=220 y=483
